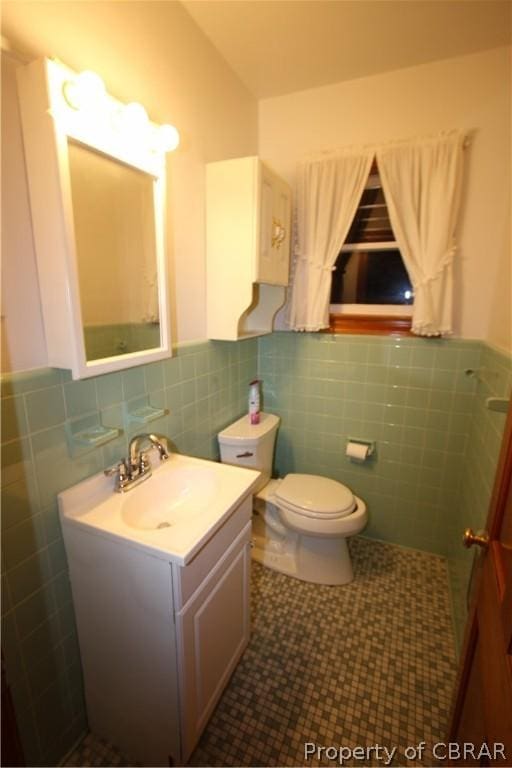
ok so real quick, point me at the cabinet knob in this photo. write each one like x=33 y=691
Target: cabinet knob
x=279 y=234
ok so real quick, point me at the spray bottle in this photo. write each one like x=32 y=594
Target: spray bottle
x=254 y=402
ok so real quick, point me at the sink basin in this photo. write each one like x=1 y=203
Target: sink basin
x=172 y=513
x=171 y=497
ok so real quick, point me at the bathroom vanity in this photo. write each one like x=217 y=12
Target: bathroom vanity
x=160 y=581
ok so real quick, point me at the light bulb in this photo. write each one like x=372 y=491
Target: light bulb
x=135 y=118
x=167 y=138
x=86 y=92
x=133 y=123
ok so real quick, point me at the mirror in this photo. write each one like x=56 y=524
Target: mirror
x=97 y=173
x=114 y=227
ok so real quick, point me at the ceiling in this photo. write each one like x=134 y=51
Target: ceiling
x=280 y=46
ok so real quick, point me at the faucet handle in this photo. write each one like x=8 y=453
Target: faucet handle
x=118 y=469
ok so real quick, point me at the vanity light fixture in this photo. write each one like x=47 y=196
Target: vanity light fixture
x=86 y=94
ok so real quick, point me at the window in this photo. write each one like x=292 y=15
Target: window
x=370 y=280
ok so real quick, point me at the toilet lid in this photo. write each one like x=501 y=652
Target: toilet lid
x=315 y=496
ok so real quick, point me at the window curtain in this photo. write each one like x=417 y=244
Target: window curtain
x=421 y=182
x=328 y=192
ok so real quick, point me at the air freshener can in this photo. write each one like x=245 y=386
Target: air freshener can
x=254 y=402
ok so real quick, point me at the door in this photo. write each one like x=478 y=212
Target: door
x=12 y=752
x=481 y=727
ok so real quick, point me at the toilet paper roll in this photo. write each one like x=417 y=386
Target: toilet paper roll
x=357 y=451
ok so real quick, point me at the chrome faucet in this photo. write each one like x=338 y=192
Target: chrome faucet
x=136 y=456
x=137 y=467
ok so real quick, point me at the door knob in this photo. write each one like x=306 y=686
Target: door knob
x=469 y=538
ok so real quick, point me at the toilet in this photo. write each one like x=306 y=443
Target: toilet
x=301 y=522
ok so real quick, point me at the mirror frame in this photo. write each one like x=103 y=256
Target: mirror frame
x=48 y=123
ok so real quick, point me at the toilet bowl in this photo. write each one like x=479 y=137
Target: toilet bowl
x=301 y=522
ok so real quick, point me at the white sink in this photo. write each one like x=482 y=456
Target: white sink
x=172 y=497
x=173 y=513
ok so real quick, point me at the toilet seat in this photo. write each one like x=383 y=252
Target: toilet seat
x=315 y=497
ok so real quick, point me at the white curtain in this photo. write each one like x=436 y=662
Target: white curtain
x=421 y=182
x=328 y=192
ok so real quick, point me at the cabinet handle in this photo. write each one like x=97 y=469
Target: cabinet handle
x=281 y=236
x=276 y=233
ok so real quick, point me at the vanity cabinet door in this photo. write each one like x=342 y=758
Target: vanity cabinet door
x=124 y=611
x=213 y=630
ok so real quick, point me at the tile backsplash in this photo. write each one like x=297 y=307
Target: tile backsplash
x=430 y=477
x=493 y=379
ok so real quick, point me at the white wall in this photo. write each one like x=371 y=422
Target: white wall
x=153 y=53
x=149 y=52
x=468 y=92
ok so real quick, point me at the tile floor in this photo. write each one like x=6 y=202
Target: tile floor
x=95 y=751
x=365 y=665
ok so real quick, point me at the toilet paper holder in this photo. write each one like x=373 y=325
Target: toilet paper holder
x=370 y=444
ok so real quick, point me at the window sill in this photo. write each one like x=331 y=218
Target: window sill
x=385 y=325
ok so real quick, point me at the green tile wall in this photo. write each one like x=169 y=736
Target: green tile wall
x=437 y=443
x=411 y=396
x=204 y=386
x=431 y=476
x=493 y=379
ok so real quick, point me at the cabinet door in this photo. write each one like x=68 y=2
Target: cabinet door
x=274 y=245
x=265 y=257
x=213 y=630
x=282 y=217
x=124 y=610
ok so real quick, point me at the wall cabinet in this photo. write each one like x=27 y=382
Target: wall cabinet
x=248 y=231
x=98 y=214
x=159 y=641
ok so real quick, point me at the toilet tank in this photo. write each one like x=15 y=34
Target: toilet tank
x=250 y=445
